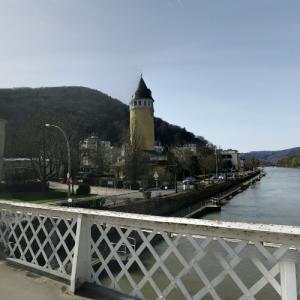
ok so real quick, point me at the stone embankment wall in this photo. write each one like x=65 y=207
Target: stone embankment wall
x=170 y=204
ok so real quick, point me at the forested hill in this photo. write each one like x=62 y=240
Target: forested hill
x=290 y=162
x=81 y=111
x=273 y=156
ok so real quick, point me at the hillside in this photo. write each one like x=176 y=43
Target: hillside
x=81 y=111
x=290 y=162
x=272 y=156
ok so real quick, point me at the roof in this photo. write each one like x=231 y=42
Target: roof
x=142 y=91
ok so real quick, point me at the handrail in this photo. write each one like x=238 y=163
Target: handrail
x=268 y=232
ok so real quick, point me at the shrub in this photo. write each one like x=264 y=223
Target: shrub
x=83 y=189
x=119 y=184
x=135 y=185
x=29 y=186
x=147 y=195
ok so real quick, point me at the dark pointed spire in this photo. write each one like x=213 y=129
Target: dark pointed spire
x=142 y=91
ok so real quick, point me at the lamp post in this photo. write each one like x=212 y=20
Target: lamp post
x=69 y=158
x=216 y=154
x=175 y=176
x=156 y=176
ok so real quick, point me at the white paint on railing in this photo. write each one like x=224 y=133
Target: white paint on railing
x=87 y=245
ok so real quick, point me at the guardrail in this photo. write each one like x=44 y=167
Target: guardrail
x=154 y=257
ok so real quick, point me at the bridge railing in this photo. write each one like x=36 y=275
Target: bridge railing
x=154 y=257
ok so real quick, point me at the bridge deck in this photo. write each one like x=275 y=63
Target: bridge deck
x=18 y=282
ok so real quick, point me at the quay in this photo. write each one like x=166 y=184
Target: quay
x=215 y=203
x=190 y=203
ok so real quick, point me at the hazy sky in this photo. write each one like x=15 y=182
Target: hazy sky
x=226 y=70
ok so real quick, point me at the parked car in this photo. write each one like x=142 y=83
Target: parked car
x=189 y=180
x=222 y=176
x=188 y=183
x=167 y=185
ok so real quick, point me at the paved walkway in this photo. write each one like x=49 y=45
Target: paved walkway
x=113 y=195
x=18 y=283
x=97 y=190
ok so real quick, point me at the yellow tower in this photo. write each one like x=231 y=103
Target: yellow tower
x=2 y=143
x=141 y=118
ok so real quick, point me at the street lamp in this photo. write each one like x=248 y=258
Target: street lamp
x=156 y=176
x=69 y=158
x=175 y=176
x=217 y=171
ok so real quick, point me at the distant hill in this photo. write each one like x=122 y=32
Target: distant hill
x=290 y=161
x=81 y=111
x=272 y=156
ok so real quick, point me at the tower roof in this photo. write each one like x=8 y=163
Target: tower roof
x=142 y=91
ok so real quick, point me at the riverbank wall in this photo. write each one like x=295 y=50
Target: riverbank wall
x=171 y=205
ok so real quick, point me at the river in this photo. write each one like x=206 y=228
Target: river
x=273 y=200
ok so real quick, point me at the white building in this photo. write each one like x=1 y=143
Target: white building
x=190 y=147
x=232 y=157
x=93 y=151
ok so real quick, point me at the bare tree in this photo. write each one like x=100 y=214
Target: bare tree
x=135 y=160
x=251 y=163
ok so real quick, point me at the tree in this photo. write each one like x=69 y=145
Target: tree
x=44 y=147
x=186 y=161
x=251 y=163
x=99 y=158
x=207 y=159
x=135 y=160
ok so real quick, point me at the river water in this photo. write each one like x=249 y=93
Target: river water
x=273 y=200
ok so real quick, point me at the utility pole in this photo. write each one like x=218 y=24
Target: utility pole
x=44 y=159
x=176 y=188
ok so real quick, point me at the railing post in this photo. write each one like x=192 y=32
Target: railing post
x=82 y=260
x=288 y=280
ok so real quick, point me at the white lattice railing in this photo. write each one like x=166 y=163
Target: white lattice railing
x=154 y=257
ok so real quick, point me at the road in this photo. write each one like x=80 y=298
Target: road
x=115 y=195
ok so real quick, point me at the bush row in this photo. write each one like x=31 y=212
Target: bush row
x=28 y=186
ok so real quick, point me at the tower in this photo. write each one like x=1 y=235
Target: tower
x=141 y=118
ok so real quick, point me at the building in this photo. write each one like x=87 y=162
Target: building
x=141 y=118
x=20 y=169
x=189 y=147
x=97 y=155
x=230 y=159
x=2 y=144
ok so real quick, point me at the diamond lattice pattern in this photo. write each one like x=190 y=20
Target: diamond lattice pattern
x=46 y=242
x=160 y=265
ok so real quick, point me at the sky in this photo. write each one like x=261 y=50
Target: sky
x=226 y=70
